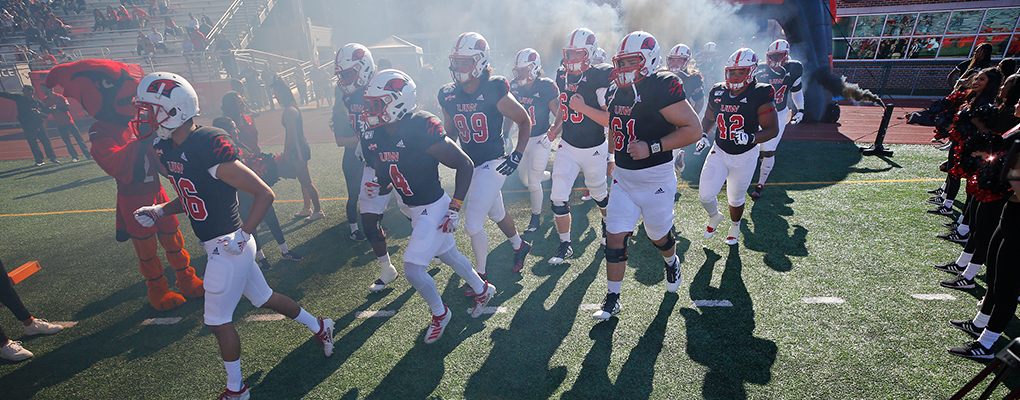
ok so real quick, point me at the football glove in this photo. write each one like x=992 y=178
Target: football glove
x=510 y=163
x=702 y=144
x=233 y=243
x=742 y=138
x=452 y=217
x=371 y=190
x=147 y=216
x=799 y=116
x=545 y=142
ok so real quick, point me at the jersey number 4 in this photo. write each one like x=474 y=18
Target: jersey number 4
x=617 y=125
x=193 y=205
x=736 y=123
x=399 y=181
x=478 y=130
x=780 y=94
x=573 y=116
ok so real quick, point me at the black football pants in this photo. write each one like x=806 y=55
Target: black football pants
x=1003 y=266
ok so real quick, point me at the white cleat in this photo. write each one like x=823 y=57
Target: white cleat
x=713 y=222
x=437 y=326
x=734 y=235
x=610 y=307
x=482 y=300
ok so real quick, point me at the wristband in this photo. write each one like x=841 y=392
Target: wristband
x=611 y=158
x=655 y=146
x=750 y=138
x=456 y=204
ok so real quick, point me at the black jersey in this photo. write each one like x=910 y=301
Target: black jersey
x=634 y=115
x=476 y=117
x=210 y=203
x=737 y=113
x=694 y=88
x=580 y=131
x=402 y=158
x=783 y=82
x=345 y=124
x=536 y=102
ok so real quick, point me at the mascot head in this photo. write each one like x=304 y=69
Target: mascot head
x=105 y=88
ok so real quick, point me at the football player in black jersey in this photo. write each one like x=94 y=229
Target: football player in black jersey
x=678 y=62
x=784 y=75
x=648 y=118
x=474 y=106
x=410 y=146
x=201 y=164
x=743 y=111
x=583 y=147
x=539 y=96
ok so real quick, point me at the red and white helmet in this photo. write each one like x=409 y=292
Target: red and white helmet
x=742 y=59
x=389 y=96
x=678 y=58
x=579 y=51
x=641 y=45
x=778 y=54
x=600 y=56
x=165 y=101
x=469 y=57
x=353 y=67
x=709 y=50
x=527 y=66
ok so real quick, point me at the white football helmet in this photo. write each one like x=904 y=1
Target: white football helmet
x=469 y=57
x=389 y=96
x=600 y=56
x=527 y=66
x=641 y=45
x=709 y=50
x=742 y=59
x=579 y=51
x=353 y=67
x=678 y=57
x=165 y=101
x=778 y=54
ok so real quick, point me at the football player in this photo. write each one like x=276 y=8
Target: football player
x=201 y=164
x=743 y=111
x=474 y=106
x=678 y=62
x=708 y=63
x=410 y=146
x=583 y=147
x=648 y=118
x=354 y=68
x=784 y=75
x=539 y=96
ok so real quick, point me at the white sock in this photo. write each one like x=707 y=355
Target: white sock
x=384 y=261
x=386 y=271
x=959 y=220
x=354 y=227
x=963 y=229
x=766 y=169
x=964 y=258
x=988 y=338
x=426 y=287
x=712 y=208
x=943 y=187
x=462 y=267
x=480 y=245
x=971 y=271
x=308 y=320
x=283 y=247
x=735 y=223
x=671 y=259
x=981 y=320
x=234 y=379
x=948 y=203
x=516 y=241
x=565 y=237
x=614 y=287
x=259 y=255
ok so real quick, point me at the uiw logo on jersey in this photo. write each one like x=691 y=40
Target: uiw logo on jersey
x=621 y=110
x=469 y=107
x=175 y=167
x=389 y=156
x=730 y=108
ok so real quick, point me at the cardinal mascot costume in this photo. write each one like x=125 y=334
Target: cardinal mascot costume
x=106 y=90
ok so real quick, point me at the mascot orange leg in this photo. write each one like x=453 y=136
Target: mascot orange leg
x=179 y=259
x=160 y=296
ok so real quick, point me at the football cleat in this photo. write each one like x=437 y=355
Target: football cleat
x=966 y=325
x=713 y=222
x=292 y=256
x=468 y=291
x=734 y=235
x=586 y=196
x=357 y=236
x=952 y=225
x=42 y=327
x=757 y=191
x=973 y=350
x=950 y=267
x=936 y=200
x=264 y=264
x=562 y=254
x=12 y=351
x=954 y=237
x=482 y=300
x=937 y=192
x=536 y=221
x=942 y=210
x=959 y=283
x=303 y=213
x=610 y=307
x=379 y=285
x=673 y=275
x=438 y=325
x=519 y=256
x=243 y=394
x=325 y=336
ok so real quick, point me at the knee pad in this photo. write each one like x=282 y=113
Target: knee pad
x=604 y=202
x=373 y=231
x=561 y=210
x=741 y=201
x=669 y=242
x=616 y=255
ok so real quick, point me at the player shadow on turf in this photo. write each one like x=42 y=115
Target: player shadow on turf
x=124 y=339
x=67 y=186
x=593 y=380
x=722 y=338
x=304 y=368
x=532 y=339
x=421 y=369
x=771 y=234
x=646 y=261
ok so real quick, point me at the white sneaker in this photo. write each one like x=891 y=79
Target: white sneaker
x=304 y=213
x=438 y=325
x=734 y=235
x=586 y=196
x=315 y=216
x=42 y=327
x=713 y=222
x=482 y=300
x=325 y=335
x=673 y=275
x=14 y=352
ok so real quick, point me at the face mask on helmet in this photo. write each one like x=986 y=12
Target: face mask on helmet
x=523 y=75
x=151 y=119
x=676 y=64
x=738 y=77
x=575 y=60
x=629 y=69
x=464 y=68
x=347 y=79
x=375 y=114
x=778 y=60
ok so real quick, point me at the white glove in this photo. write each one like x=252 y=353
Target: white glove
x=702 y=144
x=452 y=217
x=797 y=118
x=371 y=190
x=741 y=138
x=233 y=243
x=544 y=141
x=147 y=216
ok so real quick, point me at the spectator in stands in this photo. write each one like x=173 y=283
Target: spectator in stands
x=139 y=16
x=7 y=21
x=144 y=46
x=157 y=40
x=101 y=22
x=31 y=114
x=206 y=26
x=48 y=59
x=187 y=48
x=192 y=21
x=164 y=6
x=62 y=57
x=301 y=81
x=112 y=19
x=980 y=59
x=9 y=349
x=152 y=7
x=1007 y=66
x=297 y=151
x=60 y=114
x=124 y=20
x=170 y=27
x=55 y=27
x=80 y=6
x=197 y=39
x=224 y=47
